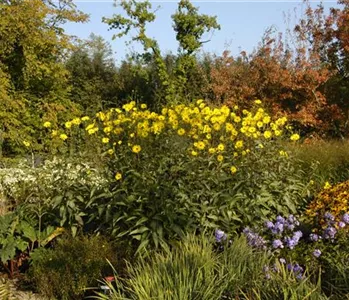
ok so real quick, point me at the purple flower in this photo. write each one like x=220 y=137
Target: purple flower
x=297 y=268
x=254 y=239
x=278 y=228
x=291 y=219
x=220 y=235
x=280 y=219
x=290 y=226
x=330 y=232
x=345 y=218
x=282 y=260
x=290 y=242
x=277 y=244
x=328 y=216
x=314 y=237
x=299 y=276
x=341 y=224
x=269 y=224
x=317 y=253
x=297 y=235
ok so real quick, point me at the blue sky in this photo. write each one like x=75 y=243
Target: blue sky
x=242 y=23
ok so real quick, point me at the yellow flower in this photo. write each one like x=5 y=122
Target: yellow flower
x=212 y=150
x=76 y=121
x=105 y=140
x=92 y=130
x=118 y=176
x=47 y=124
x=260 y=124
x=267 y=134
x=68 y=124
x=200 y=145
x=295 y=137
x=54 y=133
x=119 y=142
x=110 y=151
x=194 y=153
x=107 y=129
x=143 y=106
x=181 y=131
x=220 y=147
x=63 y=136
x=233 y=169
x=277 y=132
x=220 y=158
x=266 y=120
x=27 y=144
x=239 y=144
x=136 y=149
x=86 y=118
x=258 y=101
x=327 y=185
x=237 y=119
x=217 y=127
x=283 y=153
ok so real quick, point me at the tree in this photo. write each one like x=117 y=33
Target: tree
x=32 y=74
x=189 y=26
x=92 y=75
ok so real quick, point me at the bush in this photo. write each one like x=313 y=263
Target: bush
x=71 y=266
x=332 y=199
x=212 y=167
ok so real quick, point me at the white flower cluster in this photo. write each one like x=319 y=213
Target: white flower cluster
x=18 y=184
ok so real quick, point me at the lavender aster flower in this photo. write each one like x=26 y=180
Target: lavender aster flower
x=290 y=242
x=317 y=253
x=345 y=218
x=314 y=237
x=330 y=232
x=220 y=235
x=269 y=224
x=280 y=219
x=341 y=224
x=297 y=268
x=297 y=235
x=328 y=216
x=254 y=239
x=277 y=244
x=278 y=228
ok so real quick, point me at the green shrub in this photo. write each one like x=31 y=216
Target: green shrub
x=70 y=267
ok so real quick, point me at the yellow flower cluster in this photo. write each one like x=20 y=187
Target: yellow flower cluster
x=211 y=131
x=333 y=199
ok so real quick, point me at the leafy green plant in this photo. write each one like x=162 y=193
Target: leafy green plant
x=71 y=266
x=19 y=236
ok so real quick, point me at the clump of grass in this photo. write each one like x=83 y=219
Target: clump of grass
x=329 y=160
x=196 y=269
